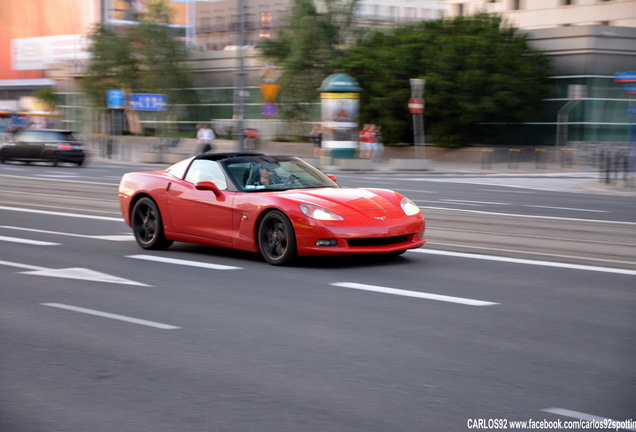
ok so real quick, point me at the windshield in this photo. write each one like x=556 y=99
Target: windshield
x=45 y=135
x=269 y=173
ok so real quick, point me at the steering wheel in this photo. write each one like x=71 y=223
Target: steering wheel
x=291 y=180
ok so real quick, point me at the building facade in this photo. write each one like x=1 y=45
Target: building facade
x=533 y=14
x=588 y=42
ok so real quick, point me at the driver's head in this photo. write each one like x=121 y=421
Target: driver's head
x=266 y=166
x=266 y=171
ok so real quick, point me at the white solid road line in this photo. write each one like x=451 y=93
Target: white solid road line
x=54 y=213
x=27 y=241
x=183 y=262
x=118 y=237
x=474 y=202
x=567 y=208
x=416 y=294
x=60 y=180
x=112 y=316
x=525 y=261
x=604 y=422
x=525 y=215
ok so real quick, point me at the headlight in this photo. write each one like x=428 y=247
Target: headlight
x=409 y=207
x=320 y=213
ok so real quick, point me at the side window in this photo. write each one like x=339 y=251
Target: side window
x=206 y=170
x=178 y=170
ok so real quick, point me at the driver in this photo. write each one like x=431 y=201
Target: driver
x=268 y=175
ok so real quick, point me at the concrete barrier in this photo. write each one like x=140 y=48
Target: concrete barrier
x=354 y=164
x=150 y=157
x=409 y=164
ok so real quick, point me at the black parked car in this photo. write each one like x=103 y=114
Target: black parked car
x=49 y=145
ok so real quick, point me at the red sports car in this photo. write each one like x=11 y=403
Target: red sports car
x=279 y=206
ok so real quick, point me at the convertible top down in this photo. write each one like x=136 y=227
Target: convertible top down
x=278 y=206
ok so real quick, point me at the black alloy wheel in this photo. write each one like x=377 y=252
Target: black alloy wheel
x=148 y=226
x=276 y=239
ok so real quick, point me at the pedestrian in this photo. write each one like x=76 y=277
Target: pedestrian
x=366 y=137
x=251 y=139
x=205 y=136
x=316 y=138
x=378 y=151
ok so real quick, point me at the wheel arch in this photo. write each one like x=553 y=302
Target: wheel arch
x=257 y=225
x=261 y=216
x=134 y=201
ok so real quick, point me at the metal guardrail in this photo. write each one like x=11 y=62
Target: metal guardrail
x=537 y=158
x=616 y=166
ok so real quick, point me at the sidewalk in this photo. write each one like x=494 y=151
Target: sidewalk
x=576 y=179
x=466 y=165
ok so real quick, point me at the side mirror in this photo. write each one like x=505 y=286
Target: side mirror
x=333 y=177
x=208 y=186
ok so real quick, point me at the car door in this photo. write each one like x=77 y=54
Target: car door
x=17 y=148
x=31 y=144
x=201 y=213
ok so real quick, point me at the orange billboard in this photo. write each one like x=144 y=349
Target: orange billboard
x=37 y=33
x=28 y=20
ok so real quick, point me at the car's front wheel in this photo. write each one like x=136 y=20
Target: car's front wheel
x=148 y=226
x=276 y=239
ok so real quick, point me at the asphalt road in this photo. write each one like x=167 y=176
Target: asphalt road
x=520 y=307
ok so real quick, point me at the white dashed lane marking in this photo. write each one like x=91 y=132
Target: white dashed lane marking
x=416 y=294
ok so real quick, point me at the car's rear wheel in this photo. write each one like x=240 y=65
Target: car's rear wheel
x=148 y=226
x=276 y=239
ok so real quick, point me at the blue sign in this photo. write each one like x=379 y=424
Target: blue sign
x=630 y=88
x=269 y=109
x=148 y=102
x=625 y=77
x=631 y=110
x=116 y=99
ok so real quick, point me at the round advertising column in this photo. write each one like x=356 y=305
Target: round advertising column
x=340 y=104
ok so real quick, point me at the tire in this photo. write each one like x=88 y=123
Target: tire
x=147 y=225
x=276 y=239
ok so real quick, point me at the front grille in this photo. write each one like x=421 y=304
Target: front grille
x=378 y=241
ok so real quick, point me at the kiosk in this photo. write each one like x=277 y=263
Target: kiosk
x=340 y=103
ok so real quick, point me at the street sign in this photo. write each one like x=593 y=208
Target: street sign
x=416 y=105
x=269 y=109
x=116 y=99
x=625 y=77
x=148 y=102
x=630 y=88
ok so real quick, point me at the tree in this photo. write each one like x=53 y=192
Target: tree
x=307 y=48
x=476 y=69
x=46 y=95
x=146 y=57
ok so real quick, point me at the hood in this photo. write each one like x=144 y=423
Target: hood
x=346 y=201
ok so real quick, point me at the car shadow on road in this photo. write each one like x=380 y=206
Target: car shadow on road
x=331 y=262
